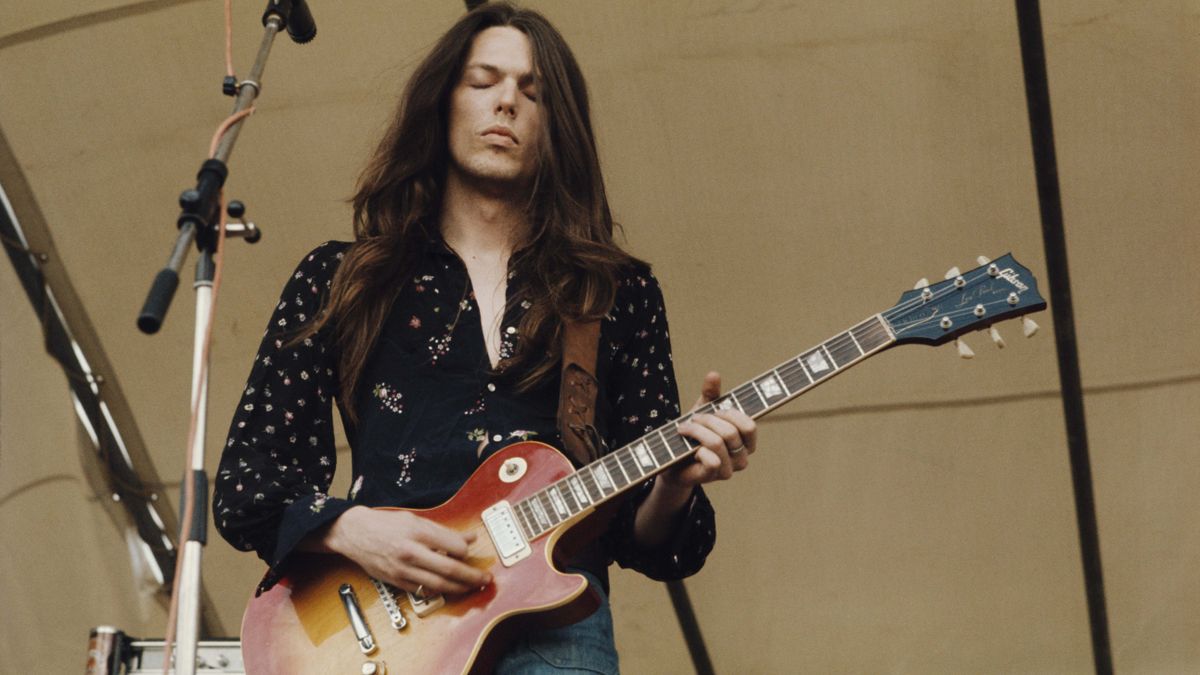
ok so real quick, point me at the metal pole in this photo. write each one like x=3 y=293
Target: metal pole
x=1037 y=97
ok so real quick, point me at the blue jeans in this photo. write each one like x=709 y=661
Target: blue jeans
x=583 y=648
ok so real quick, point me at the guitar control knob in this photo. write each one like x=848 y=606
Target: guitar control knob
x=373 y=668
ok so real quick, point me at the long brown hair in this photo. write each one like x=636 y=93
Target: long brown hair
x=569 y=265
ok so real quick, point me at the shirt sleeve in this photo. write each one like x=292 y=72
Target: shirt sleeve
x=279 y=459
x=644 y=395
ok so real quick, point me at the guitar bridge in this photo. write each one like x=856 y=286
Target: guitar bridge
x=506 y=536
x=388 y=598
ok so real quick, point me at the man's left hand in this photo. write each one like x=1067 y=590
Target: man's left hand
x=727 y=439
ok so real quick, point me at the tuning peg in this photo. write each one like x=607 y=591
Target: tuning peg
x=1028 y=326
x=996 y=335
x=983 y=260
x=952 y=272
x=923 y=283
x=964 y=350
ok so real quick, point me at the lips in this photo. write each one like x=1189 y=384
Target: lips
x=501 y=131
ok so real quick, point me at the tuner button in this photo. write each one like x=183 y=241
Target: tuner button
x=993 y=270
x=946 y=323
x=959 y=282
x=996 y=337
x=923 y=283
x=926 y=294
x=952 y=272
x=979 y=310
x=963 y=349
x=1028 y=326
x=1013 y=299
x=983 y=260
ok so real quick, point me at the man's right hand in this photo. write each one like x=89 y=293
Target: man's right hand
x=406 y=550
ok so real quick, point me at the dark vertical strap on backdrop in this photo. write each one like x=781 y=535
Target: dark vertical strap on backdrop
x=690 y=627
x=1037 y=97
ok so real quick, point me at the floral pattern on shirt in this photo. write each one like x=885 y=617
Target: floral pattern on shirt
x=271 y=487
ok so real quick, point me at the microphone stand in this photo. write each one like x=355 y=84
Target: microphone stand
x=199 y=221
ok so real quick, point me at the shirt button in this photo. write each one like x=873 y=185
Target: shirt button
x=497 y=438
x=491 y=386
x=511 y=330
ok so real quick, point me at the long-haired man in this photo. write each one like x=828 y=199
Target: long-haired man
x=482 y=230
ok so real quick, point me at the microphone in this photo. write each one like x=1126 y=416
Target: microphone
x=296 y=18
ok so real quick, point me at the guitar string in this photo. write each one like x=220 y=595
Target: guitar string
x=948 y=289
x=839 y=344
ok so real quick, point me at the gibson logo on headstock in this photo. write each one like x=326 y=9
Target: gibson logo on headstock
x=1011 y=277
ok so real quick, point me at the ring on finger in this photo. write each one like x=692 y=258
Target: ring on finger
x=738 y=450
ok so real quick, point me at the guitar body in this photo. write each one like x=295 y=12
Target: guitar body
x=300 y=627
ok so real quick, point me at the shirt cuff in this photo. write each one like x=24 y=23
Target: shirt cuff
x=300 y=519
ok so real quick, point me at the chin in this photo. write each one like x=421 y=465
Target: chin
x=495 y=172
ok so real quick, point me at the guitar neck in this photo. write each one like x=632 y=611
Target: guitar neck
x=620 y=470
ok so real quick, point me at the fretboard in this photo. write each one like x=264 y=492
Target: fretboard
x=640 y=460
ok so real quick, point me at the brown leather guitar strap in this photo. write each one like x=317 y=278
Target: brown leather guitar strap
x=577 y=394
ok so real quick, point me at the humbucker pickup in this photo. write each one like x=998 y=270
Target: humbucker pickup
x=505 y=533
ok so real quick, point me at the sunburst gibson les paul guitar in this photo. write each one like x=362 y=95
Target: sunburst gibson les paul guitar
x=329 y=616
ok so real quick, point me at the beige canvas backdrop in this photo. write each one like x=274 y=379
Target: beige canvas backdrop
x=789 y=167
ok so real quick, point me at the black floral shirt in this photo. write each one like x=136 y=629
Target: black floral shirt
x=430 y=410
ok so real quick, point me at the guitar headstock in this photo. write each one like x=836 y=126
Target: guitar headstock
x=972 y=300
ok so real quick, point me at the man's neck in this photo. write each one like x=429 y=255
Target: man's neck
x=478 y=222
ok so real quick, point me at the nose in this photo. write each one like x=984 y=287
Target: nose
x=506 y=103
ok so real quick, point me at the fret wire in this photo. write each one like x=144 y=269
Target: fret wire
x=520 y=508
x=645 y=446
x=779 y=379
x=544 y=500
x=575 y=482
x=629 y=464
x=674 y=436
x=749 y=388
x=598 y=465
x=856 y=344
x=609 y=460
x=662 y=434
x=568 y=497
x=829 y=356
x=537 y=524
x=837 y=352
x=657 y=449
x=540 y=506
x=688 y=441
x=553 y=491
x=733 y=395
x=590 y=482
x=837 y=341
x=796 y=365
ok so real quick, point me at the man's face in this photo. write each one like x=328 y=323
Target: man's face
x=495 y=119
